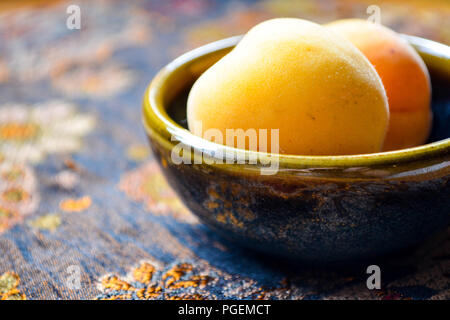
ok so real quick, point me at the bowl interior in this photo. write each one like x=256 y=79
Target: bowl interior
x=165 y=105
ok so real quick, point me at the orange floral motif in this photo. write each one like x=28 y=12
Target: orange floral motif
x=18 y=193
x=7 y=217
x=147 y=184
x=138 y=152
x=9 y=281
x=188 y=281
x=18 y=131
x=158 y=284
x=29 y=133
x=47 y=222
x=76 y=205
x=14 y=173
x=15 y=194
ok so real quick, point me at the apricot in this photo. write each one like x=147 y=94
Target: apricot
x=316 y=88
x=404 y=76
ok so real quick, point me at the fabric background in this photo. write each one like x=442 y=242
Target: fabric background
x=80 y=191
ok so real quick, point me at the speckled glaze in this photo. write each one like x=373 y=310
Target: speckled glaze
x=316 y=209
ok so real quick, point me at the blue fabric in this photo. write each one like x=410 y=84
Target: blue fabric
x=80 y=193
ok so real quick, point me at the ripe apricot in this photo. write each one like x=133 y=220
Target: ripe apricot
x=404 y=75
x=316 y=88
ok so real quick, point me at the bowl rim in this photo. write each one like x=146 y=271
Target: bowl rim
x=160 y=125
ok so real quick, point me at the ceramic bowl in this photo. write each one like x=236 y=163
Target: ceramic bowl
x=316 y=209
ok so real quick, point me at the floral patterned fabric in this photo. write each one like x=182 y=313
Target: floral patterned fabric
x=81 y=195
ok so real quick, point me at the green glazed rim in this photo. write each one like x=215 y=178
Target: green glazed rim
x=169 y=82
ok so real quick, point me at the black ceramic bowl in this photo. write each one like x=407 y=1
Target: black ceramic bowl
x=316 y=209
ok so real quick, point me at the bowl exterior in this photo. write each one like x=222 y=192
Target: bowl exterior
x=312 y=216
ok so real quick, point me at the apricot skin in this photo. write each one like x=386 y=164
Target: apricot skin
x=404 y=75
x=293 y=75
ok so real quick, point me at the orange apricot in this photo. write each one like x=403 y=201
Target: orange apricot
x=294 y=76
x=404 y=76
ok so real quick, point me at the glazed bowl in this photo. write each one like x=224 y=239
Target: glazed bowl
x=316 y=209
